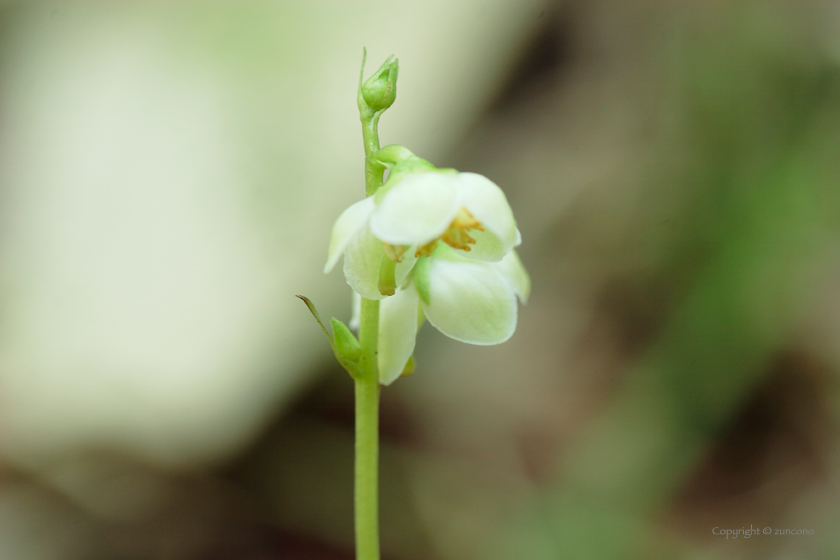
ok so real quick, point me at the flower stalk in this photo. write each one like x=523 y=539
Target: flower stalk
x=366 y=488
x=366 y=498
x=370 y=130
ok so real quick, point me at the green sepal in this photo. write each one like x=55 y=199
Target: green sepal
x=422 y=280
x=392 y=154
x=350 y=365
x=345 y=342
x=410 y=367
x=399 y=170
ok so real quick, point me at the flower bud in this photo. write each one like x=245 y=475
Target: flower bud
x=380 y=90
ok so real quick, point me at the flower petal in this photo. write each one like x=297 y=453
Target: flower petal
x=346 y=226
x=397 y=333
x=516 y=275
x=416 y=210
x=488 y=247
x=356 y=313
x=470 y=301
x=362 y=259
x=404 y=267
x=487 y=203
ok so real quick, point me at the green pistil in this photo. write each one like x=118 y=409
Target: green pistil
x=387 y=277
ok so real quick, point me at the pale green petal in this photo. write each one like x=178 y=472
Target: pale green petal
x=470 y=301
x=397 y=333
x=417 y=210
x=516 y=275
x=487 y=203
x=346 y=226
x=487 y=247
x=362 y=259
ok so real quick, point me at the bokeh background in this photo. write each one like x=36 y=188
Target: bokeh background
x=169 y=174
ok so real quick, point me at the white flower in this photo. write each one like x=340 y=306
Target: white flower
x=470 y=301
x=408 y=217
x=446 y=239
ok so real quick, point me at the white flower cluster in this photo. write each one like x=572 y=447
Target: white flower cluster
x=436 y=244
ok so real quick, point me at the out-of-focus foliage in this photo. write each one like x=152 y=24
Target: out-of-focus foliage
x=169 y=176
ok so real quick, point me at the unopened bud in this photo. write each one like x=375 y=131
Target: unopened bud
x=380 y=90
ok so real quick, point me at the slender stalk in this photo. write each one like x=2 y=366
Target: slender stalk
x=367 y=436
x=373 y=171
x=366 y=499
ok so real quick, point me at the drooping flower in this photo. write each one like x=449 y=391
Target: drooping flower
x=383 y=235
x=440 y=244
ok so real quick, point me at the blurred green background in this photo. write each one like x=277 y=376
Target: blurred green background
x=169 y=174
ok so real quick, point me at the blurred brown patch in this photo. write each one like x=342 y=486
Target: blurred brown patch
x=771 y=451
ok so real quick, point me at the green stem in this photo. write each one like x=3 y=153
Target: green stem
x=373 y=169
x=366 y=501
x=367 y=436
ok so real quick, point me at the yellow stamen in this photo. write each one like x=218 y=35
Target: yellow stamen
x=426 y=249
x=456 y=235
